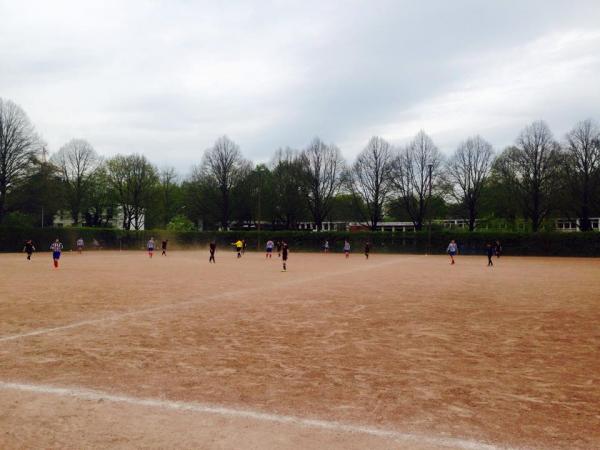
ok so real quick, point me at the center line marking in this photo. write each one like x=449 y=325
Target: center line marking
x=152 y=309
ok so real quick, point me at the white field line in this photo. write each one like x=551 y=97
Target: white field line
x=114 y=317
x=94 y=395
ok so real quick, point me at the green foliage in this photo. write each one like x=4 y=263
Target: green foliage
x=513 y=243
x=17 y=219
x=180 y=223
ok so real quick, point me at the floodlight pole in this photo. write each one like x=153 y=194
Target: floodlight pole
x=430 y=168
x=259 y=209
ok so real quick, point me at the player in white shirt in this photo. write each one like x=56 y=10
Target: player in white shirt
x=150 y=246
x=80 y=245
x=452 y=250
x=270 y=245
x=56 y=248
x=347 y=248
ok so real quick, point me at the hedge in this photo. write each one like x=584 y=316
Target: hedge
x=513 y=243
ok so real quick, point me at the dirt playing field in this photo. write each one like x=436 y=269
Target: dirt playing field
x=116 y=350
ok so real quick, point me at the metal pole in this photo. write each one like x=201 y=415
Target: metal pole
x=430 y=166
x=259 y=211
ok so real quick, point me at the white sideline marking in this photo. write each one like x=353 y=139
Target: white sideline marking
x=180 y=304
x=94 y=395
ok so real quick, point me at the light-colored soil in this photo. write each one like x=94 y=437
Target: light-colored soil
x=461 y=355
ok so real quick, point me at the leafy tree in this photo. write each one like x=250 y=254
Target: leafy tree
x=18 y=145
x=287 y=181
x=133 y=180
x=180 y=223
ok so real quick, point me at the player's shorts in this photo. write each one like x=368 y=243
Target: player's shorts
x=269 y=250
x=80 y=247
x=451 y=253
x=151 y=249
x=55 y=255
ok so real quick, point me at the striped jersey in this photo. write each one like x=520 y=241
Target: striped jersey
x=56 y=247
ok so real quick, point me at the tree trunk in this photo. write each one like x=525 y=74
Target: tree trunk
x=2 y=197
x=472 y=216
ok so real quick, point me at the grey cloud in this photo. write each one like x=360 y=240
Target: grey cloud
x=167 y=78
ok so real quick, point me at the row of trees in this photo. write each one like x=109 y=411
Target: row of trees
x=532 y=179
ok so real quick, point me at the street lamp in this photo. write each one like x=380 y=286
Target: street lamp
x=430 y=171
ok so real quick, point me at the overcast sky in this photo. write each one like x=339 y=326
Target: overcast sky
x=166 y=78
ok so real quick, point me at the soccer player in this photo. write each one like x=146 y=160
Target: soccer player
x=284 y=255
x=326 y=246
x=212 y=248
x=56 y=248
x=278 y=245
x=150 y=246
x=270 y=246
x=452 y=250
x=239 y=245
x=243 y=246
x=29 y=248
x=490 y=253
x=367 y=249
x=79 y=244
x=164 y=247
x=498 y=249
x=347 y=248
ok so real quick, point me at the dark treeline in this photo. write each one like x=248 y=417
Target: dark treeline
x=539 y=177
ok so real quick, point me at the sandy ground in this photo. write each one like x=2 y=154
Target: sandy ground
x=117 y=350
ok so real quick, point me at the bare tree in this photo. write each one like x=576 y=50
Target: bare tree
x=371 y=179
x=76 y=161
x=531 y=169
x=133 y=180
x=468 y=170
x=410 y=172
x=323 y=166
x=583 y=168
x=225 y=166
x=18 y=145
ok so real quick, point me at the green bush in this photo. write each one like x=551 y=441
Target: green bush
x=513 y=243
x=180 y=223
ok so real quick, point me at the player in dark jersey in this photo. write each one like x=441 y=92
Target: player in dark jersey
x=211 y=248
x=278 y=245
x=489 y=249
x=367 y=249
x=165 y=242
x=498 y=249
x=284 y=255
x=29 y=248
